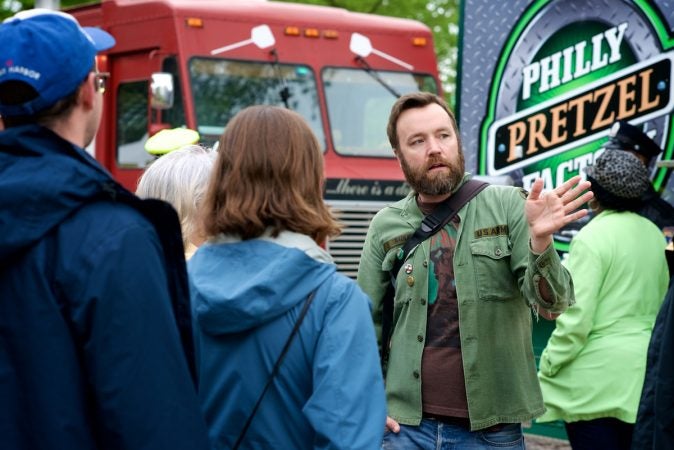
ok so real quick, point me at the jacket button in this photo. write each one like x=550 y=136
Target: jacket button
x=422 y=301
x=410 y=280
x=420 y=338
x=497 y=252
x=415 y=374
x=425 y=263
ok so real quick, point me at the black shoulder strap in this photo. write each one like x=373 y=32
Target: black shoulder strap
x=274 y=370
x=440 y=217
x=430 y=225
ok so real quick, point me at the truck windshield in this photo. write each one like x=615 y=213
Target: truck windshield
x=359 y=106
x=221 y=88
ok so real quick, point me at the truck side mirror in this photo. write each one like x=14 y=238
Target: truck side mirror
x=162 y=90
x=262 y=36
x=360 y=45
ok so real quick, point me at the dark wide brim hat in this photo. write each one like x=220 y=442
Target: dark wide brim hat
x=624 y=136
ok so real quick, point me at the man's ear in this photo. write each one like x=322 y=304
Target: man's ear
x=87 y=93
x=396 y=152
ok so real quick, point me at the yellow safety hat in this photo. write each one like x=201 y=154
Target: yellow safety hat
x=171 y=139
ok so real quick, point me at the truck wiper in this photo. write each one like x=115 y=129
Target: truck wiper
x=284 y=92
x=361 y=46
x=262 y=37
x=367 y=68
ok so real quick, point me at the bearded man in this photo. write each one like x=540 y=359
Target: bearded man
x=461 y=367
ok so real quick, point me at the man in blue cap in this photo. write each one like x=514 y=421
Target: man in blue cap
x=95 y=344
x=627 y=137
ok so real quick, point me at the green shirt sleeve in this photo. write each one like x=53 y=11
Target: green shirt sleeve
x=531 y=269
x=371 y=277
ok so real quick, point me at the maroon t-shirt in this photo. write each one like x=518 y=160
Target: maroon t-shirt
x=443 y=387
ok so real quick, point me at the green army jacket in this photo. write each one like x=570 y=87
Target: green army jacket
x=497 y=281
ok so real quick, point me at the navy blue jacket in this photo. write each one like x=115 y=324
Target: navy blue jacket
x=90 y=350
x=656 y=209
x=654 y=429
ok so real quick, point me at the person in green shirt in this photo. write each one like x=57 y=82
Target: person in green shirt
x=461 y=366
x=592 y=369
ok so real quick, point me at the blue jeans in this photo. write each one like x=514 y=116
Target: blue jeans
x=432 y=434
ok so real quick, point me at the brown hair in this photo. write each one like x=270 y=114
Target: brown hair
x=414 y=100
x=268 y=174
x=16 y=92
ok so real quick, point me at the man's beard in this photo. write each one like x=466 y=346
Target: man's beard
x=439 y=183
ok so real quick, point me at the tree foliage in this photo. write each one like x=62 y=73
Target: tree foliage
x=9 y=7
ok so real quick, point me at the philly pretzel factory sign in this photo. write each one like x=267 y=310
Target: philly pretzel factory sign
x=568 y=70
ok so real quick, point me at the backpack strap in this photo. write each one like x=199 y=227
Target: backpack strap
x=166 y=223
x=430 y=225
x=275 y=369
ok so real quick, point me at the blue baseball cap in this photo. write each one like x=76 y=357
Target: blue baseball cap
x=49 y=51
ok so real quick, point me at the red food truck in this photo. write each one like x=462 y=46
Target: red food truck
x=196 y=63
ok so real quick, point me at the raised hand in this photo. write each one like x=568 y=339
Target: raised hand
x=547 y=212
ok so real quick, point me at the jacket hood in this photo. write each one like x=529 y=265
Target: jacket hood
x=43 y=179
x=238 y=285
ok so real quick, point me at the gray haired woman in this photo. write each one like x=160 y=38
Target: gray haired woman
x=180 y=177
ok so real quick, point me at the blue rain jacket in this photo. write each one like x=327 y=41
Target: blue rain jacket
x=246 y=297
x=90 y=352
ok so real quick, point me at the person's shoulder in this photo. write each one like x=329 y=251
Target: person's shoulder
x=394 y=210
x=647 y=223
x=503 y=189
x=604 y=225
x=342 y=304
x=663 y=205
x=497 y=194
x=340 y=289
x=106 y=239
x=115 y=214
x=397 y=206
x=106 y=224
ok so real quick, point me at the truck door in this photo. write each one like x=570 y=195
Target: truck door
x=130 y=83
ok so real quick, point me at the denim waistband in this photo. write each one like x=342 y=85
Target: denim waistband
x=463 y=422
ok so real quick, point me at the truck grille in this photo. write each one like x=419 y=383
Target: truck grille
x=347 y=247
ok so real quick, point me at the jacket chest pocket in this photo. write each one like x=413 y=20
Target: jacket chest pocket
x=491 y=263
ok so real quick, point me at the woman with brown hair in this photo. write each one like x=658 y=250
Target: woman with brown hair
x=262 y=264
